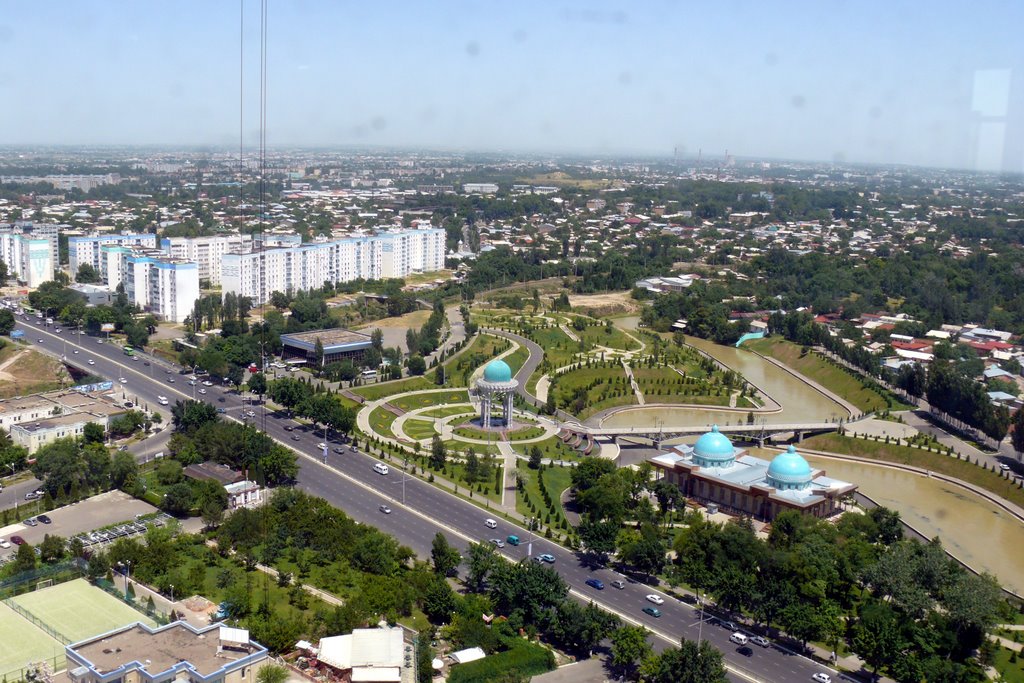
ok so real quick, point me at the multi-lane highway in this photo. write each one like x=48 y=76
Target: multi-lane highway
x=419 y=510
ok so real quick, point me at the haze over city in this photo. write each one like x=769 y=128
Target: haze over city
x=876 y=82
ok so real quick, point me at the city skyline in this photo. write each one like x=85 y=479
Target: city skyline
x=892 y=87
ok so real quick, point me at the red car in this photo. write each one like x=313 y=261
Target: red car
x=17 y=540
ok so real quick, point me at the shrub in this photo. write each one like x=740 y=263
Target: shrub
x=525 y=659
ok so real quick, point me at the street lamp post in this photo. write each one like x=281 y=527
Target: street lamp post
x=127 y=564
x=172 y=594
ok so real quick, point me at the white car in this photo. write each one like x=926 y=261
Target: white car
x=99 y=341
x=122 y=380
x=76 y=350
x=134 y=358
x=202 y=391
x=162 y=400
x=57 y=330
x=821 y=678
x=40 y=341
x=656 y=599
x=92 y=362
x=4 y=543
x=250 y=413
x=321 y=445
x=191 y=382
x=207 y=383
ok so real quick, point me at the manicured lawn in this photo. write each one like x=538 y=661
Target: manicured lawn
x=825 y=373
x=1011 y=672
x=665 y=385
x=936 y=462
x=552 y=447
x=445 y=411
x=440 y=398
x=521 y=434
x=516 y=359
x=605 y=385
x=556 y=479
x=78 y=610
x=372 y=392
x=381 y=420
x=483 y=349
x=419 y=429
x=601 y=335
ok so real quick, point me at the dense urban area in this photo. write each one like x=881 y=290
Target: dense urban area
x=395 y=416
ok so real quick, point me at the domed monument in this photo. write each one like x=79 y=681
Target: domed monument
x=497 y=385
x=715 y=473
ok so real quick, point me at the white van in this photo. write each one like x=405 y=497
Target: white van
x=738 y=638
x=490 y=523
x=380 y=468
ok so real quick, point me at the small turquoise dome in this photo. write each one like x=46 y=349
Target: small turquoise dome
x=498 y=371
x=713 y=449
x=789 y=470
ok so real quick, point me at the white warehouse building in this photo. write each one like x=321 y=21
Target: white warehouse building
x=291 y=269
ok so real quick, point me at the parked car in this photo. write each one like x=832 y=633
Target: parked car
x=729 y=625
x=595 y=583
x=44 y=519
x=34 y=495
x=31 y=521
x=17 y=540
x=656 y=599
x=653 y=611
x=4 y=543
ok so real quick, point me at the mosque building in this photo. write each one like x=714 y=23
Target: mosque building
x=714 y=472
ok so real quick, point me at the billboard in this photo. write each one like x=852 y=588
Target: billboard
x=107 y=327
x=90 y=388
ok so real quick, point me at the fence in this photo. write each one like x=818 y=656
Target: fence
x=49 y=630
x=26 y=582
x=159 y=617
x=33 y=673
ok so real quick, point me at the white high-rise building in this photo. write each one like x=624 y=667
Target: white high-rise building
x=206 y=251
x=159 y=284
x=386 y=255
x=21 y=249
x=87 y=249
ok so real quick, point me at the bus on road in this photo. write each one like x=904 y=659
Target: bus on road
x=129 y=351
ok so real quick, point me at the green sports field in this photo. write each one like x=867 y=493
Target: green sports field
x=78 y=610
x=22 y=642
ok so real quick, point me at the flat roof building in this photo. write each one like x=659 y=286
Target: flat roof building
x=339 y=344
x=176 y=652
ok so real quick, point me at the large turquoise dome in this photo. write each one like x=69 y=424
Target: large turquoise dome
x=498 y=371
x=789 y=470
x=713 y=449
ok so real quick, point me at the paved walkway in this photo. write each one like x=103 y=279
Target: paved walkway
x=632 y=383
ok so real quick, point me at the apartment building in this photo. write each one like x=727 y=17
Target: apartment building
x=34 y=421
x=207 y=252
x=87 y=249
x=161 y=285
x=387 y=255
x=30 y=251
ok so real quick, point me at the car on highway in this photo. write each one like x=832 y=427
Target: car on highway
x=595 y=583
x=44 y=519
x=57 y=330
x=248 y=413
x=339 y=450
x=162 y=400
x=497 y=543
x=321 y=446
x=619 y=583
x=289 y=428
x=17 y=540
x=296 y=437
x=191 y=382
x=550 y=559
x=729 y=625
x=745 y=651
x=34 y=495
x=381 y=468
x=1004 y=467
x=4 y=543
x=385 y=509
x=136 y=359
x=653 y=611
x=207 y=383
x=821 y=678
x=40 y=341
x=75 y=350
x=122 y=380
x=202 y=391
x=221 y=411
x=760 y=640
x=656 y=599
x=31 y=521
x=170 y=380
x=92 y=362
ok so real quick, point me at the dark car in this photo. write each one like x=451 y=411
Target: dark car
x=289 y=428
x=653 y=611
x=595 y=583
x=17 y=540
x=745 y=651
x=44 y=519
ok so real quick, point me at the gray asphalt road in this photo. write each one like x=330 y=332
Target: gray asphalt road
x=349 y=482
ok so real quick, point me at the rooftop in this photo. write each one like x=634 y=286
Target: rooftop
x=335 y=338
x=156 y=651
x=51 y=422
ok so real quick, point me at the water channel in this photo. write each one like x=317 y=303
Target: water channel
x=973 y=530
x=799 y=401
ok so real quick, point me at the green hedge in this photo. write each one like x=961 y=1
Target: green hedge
x=527 y=659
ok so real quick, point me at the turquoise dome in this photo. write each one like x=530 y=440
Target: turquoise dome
x=713 y=449
x=789 y=470
x=498 y=371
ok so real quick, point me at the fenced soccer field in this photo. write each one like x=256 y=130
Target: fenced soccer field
x=21 y=642
x=78 y=610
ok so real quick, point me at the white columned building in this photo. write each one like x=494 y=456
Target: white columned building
x=497 y=386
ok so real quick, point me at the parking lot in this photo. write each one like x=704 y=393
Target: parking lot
x=113 y=507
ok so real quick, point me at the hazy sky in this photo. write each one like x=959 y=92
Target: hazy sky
x=930 y=83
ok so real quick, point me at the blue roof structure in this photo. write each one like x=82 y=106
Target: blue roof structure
x=713 y=449
x=497 y=371
x=789 y=470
